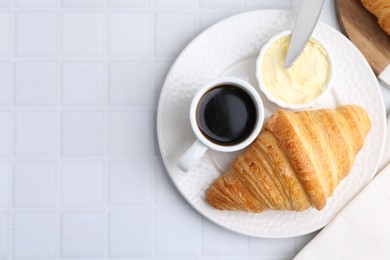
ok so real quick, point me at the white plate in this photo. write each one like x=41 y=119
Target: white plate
x=230 y=48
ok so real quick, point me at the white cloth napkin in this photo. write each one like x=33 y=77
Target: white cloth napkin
x=362 y=229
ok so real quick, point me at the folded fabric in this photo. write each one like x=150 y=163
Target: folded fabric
x=362 y=229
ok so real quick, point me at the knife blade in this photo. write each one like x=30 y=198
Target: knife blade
x=385 y=77
x=305 y=22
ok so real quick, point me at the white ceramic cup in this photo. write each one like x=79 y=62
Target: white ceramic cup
x=202 y=144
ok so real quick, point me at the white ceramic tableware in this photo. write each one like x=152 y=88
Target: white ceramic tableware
x=203 y=143
x=273 y=98
x=230 y=48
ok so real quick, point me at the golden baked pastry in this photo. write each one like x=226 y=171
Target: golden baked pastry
x=381 y=9
x=296 y=162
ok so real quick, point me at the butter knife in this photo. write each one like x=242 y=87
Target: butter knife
x=305 y=22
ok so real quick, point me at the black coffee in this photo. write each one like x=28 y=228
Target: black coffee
x=226 y=115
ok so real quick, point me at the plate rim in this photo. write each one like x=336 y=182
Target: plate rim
x=164 y=157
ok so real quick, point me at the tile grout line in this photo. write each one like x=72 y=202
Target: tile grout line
x=100 y=208
x=120 y=9
x=122 y=58
x=27 y=158
x=106 y=188
x=11 y=234
x=59 y=126
x=152 y=68
x=200 y=225
x=76 y=108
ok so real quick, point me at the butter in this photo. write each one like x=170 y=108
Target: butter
x=302 y=82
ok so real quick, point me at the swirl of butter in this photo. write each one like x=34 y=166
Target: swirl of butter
x=303 y=81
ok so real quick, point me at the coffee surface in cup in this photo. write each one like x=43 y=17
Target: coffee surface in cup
x=226 y=115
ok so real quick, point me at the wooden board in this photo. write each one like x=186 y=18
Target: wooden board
x=361 y=27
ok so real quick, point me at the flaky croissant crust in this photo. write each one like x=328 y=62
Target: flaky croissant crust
x=296 y=162
x=381 y=9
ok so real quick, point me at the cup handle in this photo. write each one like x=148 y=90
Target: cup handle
x=193 y=154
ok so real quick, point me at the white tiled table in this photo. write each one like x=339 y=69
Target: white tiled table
x=80 y=171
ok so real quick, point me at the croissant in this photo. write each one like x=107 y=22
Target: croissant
x=381 y=9
x=296 y=161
